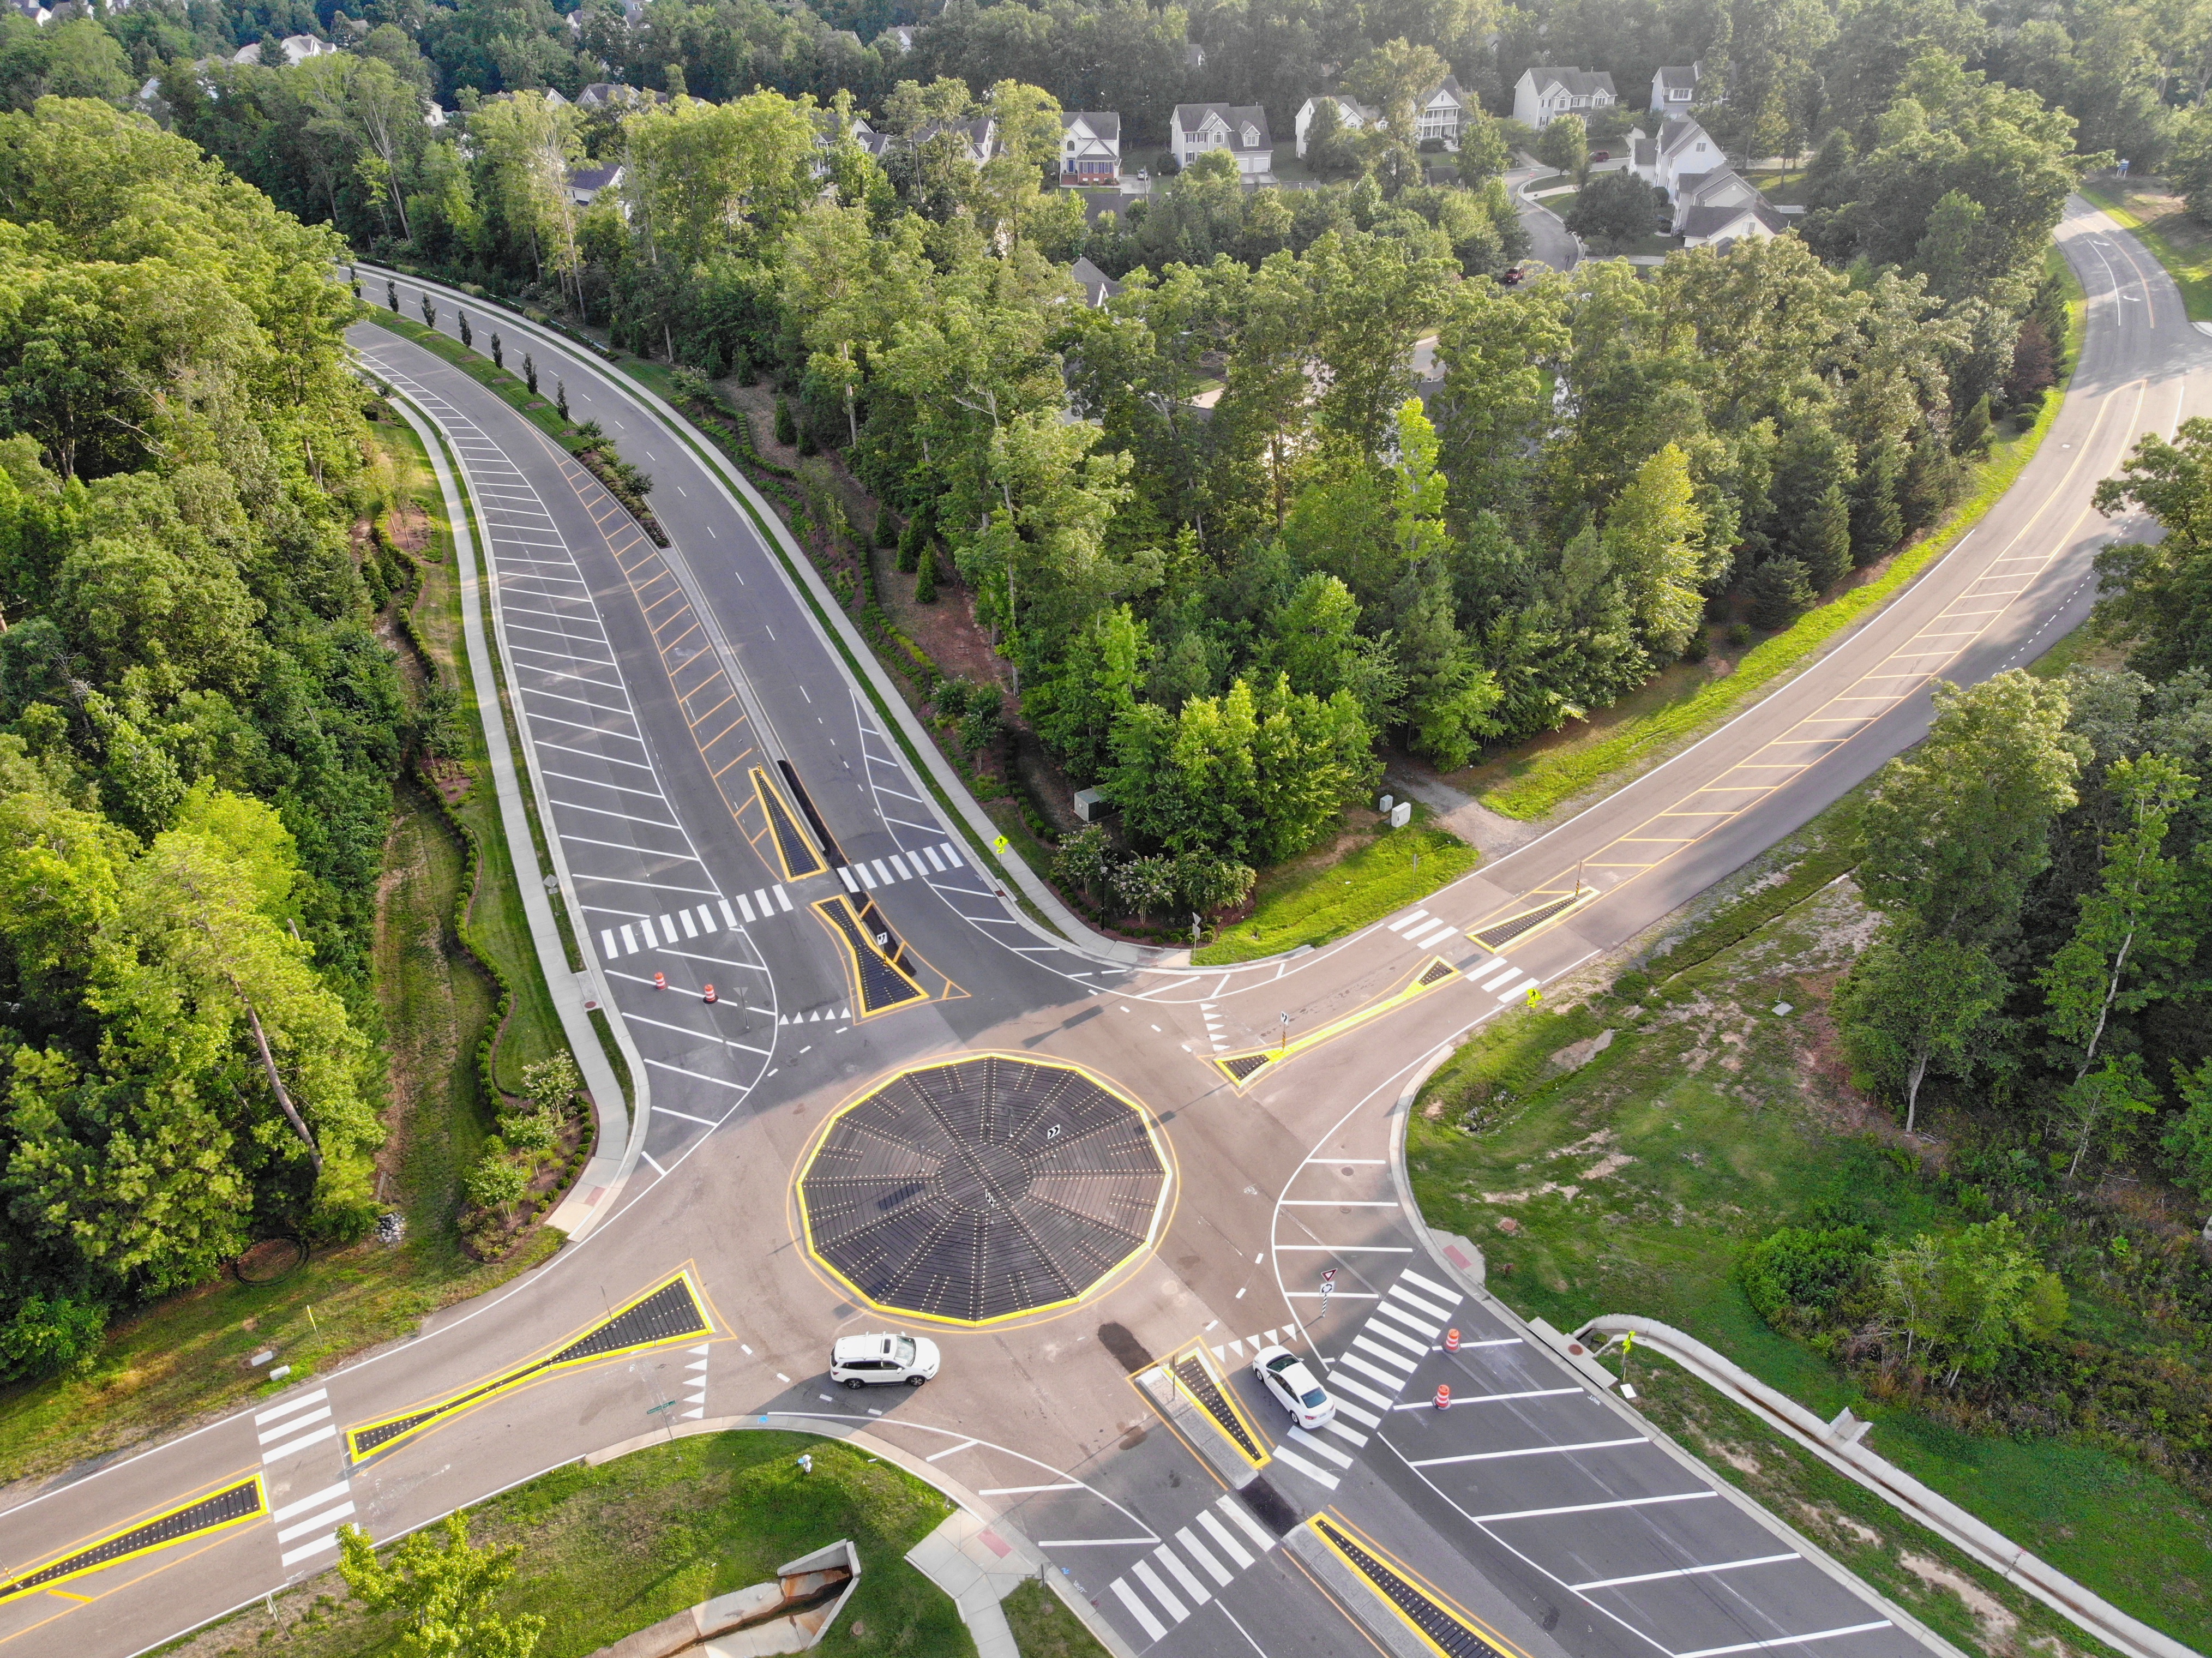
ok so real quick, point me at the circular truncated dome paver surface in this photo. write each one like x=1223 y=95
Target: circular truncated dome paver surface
x=983 y=1187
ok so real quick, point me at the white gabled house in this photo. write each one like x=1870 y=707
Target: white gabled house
x=586 y=183
x=1675 y=89
x=1090 y=147
x=1441 y=114
x=1352 y=116
x=1713 y=203
x=1240 y=129
x=298 y=48
x=1541 y=96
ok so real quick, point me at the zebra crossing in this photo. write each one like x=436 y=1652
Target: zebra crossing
x=1403 y=1329
x=1424 y=931
x=869 y=873
x=744 y=909
x=1233 y=1540
x=695 y=1382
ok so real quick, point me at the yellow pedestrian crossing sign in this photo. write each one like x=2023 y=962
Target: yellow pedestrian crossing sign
x=1535 y=995
x=1001 y=844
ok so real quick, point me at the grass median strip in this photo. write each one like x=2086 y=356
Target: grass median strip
x=1552 y=777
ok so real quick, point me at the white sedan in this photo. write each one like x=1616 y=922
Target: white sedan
x=1284 y=1374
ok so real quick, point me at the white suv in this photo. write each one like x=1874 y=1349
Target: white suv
x=1284 y=1374
x=862 y=1361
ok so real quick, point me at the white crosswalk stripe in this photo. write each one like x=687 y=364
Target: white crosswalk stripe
x=317 y=1515
x=694 y=1381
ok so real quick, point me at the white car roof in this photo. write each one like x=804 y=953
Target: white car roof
x=848 y=1348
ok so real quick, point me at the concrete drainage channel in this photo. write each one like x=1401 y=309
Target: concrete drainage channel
x=789 y=1614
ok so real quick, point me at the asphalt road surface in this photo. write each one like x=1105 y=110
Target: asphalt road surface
x=1130 y=1179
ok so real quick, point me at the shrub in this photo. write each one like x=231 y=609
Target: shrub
x=1208 y=884
x=1699 y=647
x=1631 y=986
x=952 y=698
x=886 y=525
x=980 y=726
x=496 y=1181
x=1794 y=1276
x=552 y=1084
x=1085 y=861
x=691 y=385
x=50 y=1336
x=527 y=1130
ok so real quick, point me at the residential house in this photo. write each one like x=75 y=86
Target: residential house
x=1445 y=111
x=298 y=48
x=1540 y=96
x=1352 y=116
x=899 y=39
x=585 y=183
x=30 y=9
x=1090 y=148
x=1240 y=129
x=1752 y=220
x=1713 y=203
x=1675 y=90
x=978 y=140
x=1193 y=55
x=1098 y=287
x=613 y=94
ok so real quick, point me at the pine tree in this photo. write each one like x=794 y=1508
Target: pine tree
x=1776 y=593
x=1877 y=524
x=468 y=334
x=1971 y=439
x=1822 y=540
x=498 y=353
x=919 y=528
x=786 y=429
x=561 y=397
x=530 y=372
x=430 y=314
x=925 y=582
x=886 y=525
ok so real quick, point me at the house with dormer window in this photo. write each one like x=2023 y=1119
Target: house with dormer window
x=1090 y=148
x=1240 y=129
x=1673 y=89
x=1540 y=96
x=1713 y=203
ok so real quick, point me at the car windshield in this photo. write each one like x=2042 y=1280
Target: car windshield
x=1284 y=1363
x=1313 y=1400
x=902 y=1350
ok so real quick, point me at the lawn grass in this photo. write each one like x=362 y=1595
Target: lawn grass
x=1632 y=1186
x=1043 y=1626
x=608 y=1550
x=1539 y=784
x=1306 y=903
x=185 y=1358
x=2164 y=226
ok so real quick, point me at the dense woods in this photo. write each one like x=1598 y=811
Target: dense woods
x=1226 y=550
x=198 y=729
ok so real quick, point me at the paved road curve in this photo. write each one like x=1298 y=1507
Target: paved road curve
x=851 y=938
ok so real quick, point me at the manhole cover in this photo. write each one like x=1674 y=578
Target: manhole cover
x=982 y=1188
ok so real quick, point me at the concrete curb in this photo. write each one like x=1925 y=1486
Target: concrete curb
x=821 y=606
x=1034 y=1564
x=593 y=1195
x=1461 y=1263
x=1990 y=1547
